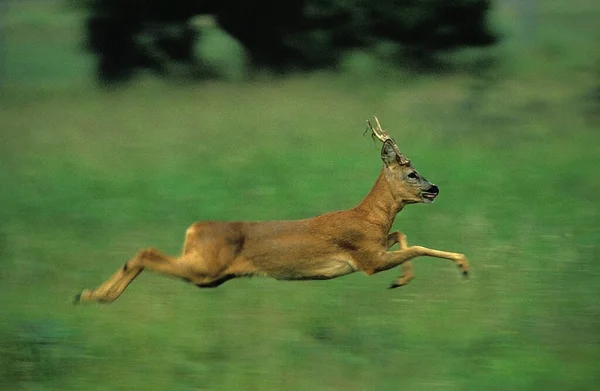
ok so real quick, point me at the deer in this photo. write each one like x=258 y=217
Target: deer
x=319 y=248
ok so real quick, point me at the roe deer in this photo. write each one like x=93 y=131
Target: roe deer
x=318 y=248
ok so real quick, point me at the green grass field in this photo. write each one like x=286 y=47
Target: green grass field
x=88 y=177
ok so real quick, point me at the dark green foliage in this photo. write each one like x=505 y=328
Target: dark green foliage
x=126 y=35
x=304 y=34
x=432 y=24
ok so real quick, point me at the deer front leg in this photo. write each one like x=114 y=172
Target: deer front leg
x=407 y=267
x=388 y=260
x=402 y=256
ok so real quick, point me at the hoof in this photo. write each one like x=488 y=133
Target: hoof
x=465 y=274
x=81 y=297
x=394 y=285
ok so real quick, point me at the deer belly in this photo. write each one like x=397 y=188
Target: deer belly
x=314 y=269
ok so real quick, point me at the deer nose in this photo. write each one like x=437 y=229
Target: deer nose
x=433 y=189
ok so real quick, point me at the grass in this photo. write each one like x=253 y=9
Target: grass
x=89 y=177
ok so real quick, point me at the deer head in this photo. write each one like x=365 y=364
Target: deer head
x=407 y=185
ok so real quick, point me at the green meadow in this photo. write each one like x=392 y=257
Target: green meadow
x=88 y=176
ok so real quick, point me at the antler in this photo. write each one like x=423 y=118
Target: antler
x=384 y=137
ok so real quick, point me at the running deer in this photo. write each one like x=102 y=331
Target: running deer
x=319 y=248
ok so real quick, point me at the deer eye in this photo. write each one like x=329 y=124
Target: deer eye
x=413 y=175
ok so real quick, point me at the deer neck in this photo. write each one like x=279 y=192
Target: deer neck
x=379 y=205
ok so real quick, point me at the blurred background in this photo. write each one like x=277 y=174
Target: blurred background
x=121 y=123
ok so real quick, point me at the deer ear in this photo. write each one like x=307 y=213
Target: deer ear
x=388 y=153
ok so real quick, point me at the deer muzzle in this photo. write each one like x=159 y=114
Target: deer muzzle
x=430 y=194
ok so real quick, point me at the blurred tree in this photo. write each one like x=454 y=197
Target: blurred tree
x=128 y=34
x=305 y=34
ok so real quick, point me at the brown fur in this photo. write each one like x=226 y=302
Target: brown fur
x=322 y=247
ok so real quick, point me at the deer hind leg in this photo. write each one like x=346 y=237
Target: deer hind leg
x=190 y=267
x=105 y=293
x=407 y=267
x=150 y=259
